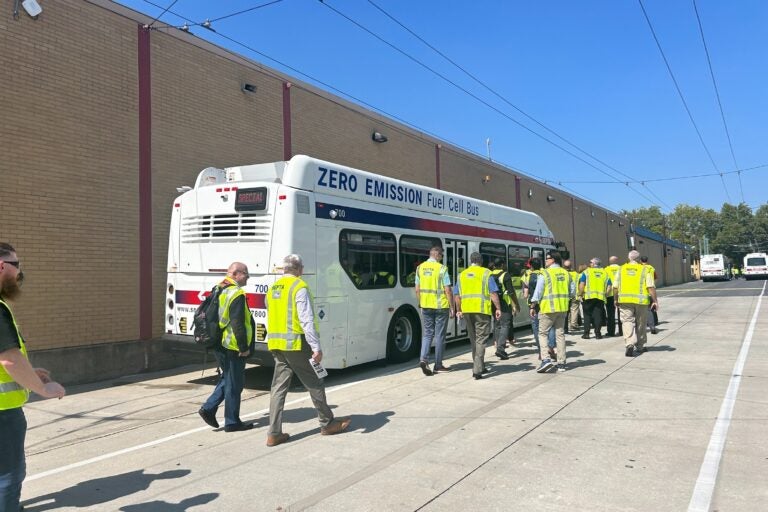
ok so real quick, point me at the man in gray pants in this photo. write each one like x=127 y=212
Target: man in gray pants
x=293 y=340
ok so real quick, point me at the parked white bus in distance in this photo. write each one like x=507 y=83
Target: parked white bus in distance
x=361 y=236
x=756 y=266
x=715 y=267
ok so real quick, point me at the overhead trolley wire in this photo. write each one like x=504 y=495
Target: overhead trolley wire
x=207 y=23
x=717 y=94
x=682 y=98
x=161 y=14
x=674 y=178
x=477 y=98
x=508 y=102
x=405 y=122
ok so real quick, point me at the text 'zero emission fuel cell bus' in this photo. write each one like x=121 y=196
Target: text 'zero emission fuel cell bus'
x=361 y=237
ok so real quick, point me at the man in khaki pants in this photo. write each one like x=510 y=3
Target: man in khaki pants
x=634 y=285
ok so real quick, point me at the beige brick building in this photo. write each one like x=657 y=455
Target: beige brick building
x=102 y=120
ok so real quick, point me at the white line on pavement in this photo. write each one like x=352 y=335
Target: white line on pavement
x=166 y=439
x=705 y=484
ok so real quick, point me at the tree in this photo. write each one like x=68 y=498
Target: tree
x=689 y=224
x=735 y=236
x=649 y=218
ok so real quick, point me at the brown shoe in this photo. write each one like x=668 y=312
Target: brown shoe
x=274 y=440
x=336 y=426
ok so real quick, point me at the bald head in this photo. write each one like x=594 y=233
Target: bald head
x=238 y=271
x=613 y=260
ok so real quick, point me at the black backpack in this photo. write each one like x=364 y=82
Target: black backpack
x=206 y=321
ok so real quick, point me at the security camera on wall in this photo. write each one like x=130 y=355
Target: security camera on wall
x=32 y=7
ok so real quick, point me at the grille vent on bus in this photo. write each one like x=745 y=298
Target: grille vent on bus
x=232 y=226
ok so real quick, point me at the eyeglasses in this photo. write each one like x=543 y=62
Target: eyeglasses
x=16 y=263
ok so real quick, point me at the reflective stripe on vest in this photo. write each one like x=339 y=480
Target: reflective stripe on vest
x=632 y=287
x=557 y=290
x=229 y=294
x=431 y=289
x=284 y=327
x=595 y=283
x=12 y=394
x=475 y=295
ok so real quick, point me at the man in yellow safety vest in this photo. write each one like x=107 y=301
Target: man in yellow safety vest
x=634 y=290
x=237 y=331
x=294 y=341
x=17 y=379
x=551 y=299
x=574 y=306
x=433 y=291
x=475 y=292
x=594 y=285
x=610 y=306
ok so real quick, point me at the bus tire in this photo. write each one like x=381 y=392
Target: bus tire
x=403 y=335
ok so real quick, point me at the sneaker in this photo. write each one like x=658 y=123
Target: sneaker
x=441 y=369
x=502 y=355
x=425 y=368
x=630 y=352
x=560 y=368
x=585 y=336
x=545 y=366
x=598 y=336
x=238 y=427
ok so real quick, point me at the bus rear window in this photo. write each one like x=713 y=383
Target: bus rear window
x=369 y=258
x=756 y=262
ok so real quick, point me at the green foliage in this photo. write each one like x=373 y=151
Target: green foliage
x=733 y=231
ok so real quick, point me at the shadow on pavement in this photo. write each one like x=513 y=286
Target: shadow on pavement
x=660 y=348
x=585 y=362
x=101 y=490
x=164 y=506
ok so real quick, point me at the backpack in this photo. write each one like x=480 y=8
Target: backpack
x=206 y=321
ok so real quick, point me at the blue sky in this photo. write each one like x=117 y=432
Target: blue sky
x=589 y=71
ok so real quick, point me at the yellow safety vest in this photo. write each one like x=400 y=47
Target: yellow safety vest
x=632 y=287
x=383 y=278
x=12 y=394
x=282 y=315
x=613 y=271
x=595 y=283
x=503 y=292
x=431 y=289
x=475 y=294
x=526 y=278
x=557 y=290
x=229 y=294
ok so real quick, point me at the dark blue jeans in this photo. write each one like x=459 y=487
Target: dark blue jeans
x=230 y=386
x=13 y=468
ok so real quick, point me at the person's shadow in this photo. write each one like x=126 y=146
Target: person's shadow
x=164 y=506
x=368 y=423
x=100 y=490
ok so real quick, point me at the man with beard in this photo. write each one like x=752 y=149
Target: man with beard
x=17 y=379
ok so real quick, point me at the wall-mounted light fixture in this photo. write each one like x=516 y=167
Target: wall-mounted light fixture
x=551 y=199
x=621 y=223
x=486 y=179
x=593 y=213
x=246 y=87
x=530 y=192
x=640 y=242
x=613 y=220
x=378 y=137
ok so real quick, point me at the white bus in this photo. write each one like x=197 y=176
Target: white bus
x=361 y=236
x=715 y=267
x=756 y=266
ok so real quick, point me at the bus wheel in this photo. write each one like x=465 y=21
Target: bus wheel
x=403 y=336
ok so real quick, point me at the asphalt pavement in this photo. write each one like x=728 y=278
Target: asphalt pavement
x=681 y=427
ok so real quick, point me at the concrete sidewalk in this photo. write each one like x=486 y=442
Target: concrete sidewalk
x=611 y=433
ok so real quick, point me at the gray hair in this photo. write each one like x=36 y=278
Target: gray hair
x=633 y=256
x=476 y=257
x=596 y=261
x=292 y=264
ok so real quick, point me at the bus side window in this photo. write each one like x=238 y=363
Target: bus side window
x=369 y=258
x=492 y=252
x=538 y=253
x=413 y=251
x=517 y=257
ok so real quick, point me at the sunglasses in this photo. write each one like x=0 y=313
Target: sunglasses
x=16 y=263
